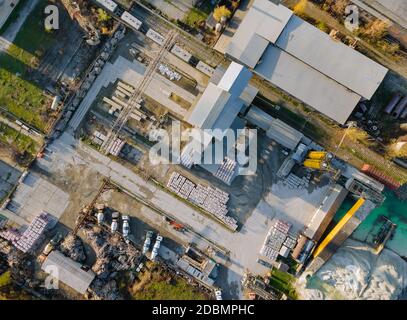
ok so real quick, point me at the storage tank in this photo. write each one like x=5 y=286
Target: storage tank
x=315 y=164
x=393 y=102
x=400 y=108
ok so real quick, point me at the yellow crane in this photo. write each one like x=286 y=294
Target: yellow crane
x=331 y=235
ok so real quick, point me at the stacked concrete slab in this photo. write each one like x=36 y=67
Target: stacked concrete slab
x=212 y=200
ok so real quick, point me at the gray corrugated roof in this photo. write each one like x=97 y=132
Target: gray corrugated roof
x=284 y=134
x=68 y=271
x=332 y=58
x=307 y=84
x=304 y=61
x=268 y=21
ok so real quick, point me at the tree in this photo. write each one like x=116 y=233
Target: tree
x=300 y=7
x=220 y=12
x=376 y=29
x=103 y=16
x=339 y=6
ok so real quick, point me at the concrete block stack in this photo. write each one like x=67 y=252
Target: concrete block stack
x=226 y=171
x=116 y=146
x=275 y=239
x=10 y=235
x=212 y=200
x=33 y=234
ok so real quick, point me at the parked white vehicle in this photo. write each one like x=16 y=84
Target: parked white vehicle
x=126 y=226
x=147 y=242
x=156 y=247
x=218 y=295
x=115 y=224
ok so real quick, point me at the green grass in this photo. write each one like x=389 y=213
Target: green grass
x=194 y=16
x=5 y=279
x=20 y=141
x=282 y=281
x=18 y=94
x=161 y=290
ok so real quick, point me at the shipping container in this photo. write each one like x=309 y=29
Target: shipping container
x=375 y=173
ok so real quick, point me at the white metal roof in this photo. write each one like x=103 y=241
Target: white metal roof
x=304 y=61
x=262 y=24
x=68 y=271
x=307 y=84
x=332 y=58
x=209 y=107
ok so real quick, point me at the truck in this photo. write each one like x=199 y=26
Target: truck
x=126 y=226
x=147 y=242
x=156 y=247
x=115 y=223
x=100 y=214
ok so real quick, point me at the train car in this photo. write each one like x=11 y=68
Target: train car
x=155 y=36
x=131 y=20
x=181 y=53
x=204 y=68
x=108 y=4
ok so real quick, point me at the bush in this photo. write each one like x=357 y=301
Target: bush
x=220 y=12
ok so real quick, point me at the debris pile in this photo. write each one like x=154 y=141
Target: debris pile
x=212 y=200
x=73 y=248
x=112 y=256
x=103 y=290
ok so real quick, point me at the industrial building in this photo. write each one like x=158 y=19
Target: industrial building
x=345 y=227
x=304 y=61
x=198 y=266
x=324 y=214
x=215 y=113
x=275 y=129
x=68 y=271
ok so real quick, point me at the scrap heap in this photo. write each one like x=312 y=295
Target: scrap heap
x=73 y=248
x=212 y=200
x=112 y=255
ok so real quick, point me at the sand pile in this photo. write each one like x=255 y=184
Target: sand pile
x=355 y=272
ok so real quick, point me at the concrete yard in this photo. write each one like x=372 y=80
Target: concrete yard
x=132 y=72
x=66 y=153
x=34 y=196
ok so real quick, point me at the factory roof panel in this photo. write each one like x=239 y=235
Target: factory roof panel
x=332 y=58
x=307 y=84
x=209 y=107
x=304 y=61
x=68 y=271
x=284 y=134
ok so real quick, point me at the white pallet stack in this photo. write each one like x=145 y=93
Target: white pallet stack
x=212 y=200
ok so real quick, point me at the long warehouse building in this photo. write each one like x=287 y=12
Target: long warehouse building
x=304 y=61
